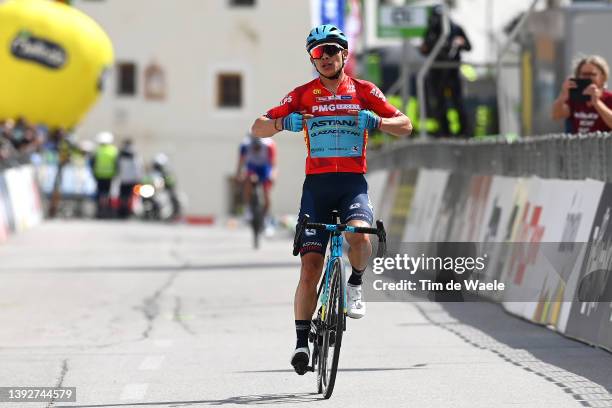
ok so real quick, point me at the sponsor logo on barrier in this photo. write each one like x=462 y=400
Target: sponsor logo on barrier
x=42 y=51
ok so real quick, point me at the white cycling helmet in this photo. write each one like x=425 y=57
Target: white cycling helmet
x=105 y=138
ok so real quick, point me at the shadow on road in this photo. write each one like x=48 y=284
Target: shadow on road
x=154 y=268
x=238 y=400
x=348 y=370
x=545 y=345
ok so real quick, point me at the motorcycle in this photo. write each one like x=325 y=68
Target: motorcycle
x=153 y=200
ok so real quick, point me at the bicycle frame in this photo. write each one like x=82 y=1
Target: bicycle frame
x=336 y=240
x=335 y=247
x=319 y=333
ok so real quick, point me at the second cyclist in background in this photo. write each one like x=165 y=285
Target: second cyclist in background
x=257 y=162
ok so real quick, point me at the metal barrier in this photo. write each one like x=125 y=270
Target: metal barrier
x=560 y=156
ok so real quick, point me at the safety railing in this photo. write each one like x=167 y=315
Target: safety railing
x=560 y=156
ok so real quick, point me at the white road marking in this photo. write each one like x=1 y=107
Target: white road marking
x=134 y=391
x=151 y=363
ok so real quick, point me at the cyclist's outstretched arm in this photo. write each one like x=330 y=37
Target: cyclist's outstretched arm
x=399 y=125
x=266 y=127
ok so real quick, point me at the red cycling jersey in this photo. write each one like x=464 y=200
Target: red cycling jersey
x=314 y=98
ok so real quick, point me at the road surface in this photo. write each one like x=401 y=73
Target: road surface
x=150 y=315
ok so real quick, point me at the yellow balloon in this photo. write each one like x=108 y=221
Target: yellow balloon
x=53 y=60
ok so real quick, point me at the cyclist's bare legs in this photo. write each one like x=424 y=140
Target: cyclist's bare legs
x=306 y=293
x=360 y=246
x=359 y=253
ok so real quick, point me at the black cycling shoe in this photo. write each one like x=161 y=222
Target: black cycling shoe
x=300 y=359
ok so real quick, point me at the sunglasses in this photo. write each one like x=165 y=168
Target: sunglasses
x=329 y=49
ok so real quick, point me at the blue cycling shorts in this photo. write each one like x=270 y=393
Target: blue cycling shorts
x=263 y=172
x=322 y=193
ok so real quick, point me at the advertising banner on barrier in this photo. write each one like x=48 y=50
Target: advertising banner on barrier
x=453 y=203
x=4 y=225
x=14 y=184
x=8 y=206
x=32 y=204
x=425 y=204
x=567 y=217
x=388 y=195
x=525 y=228
x=496 y=227
x=551 y=263
x=578 y=223
x=376 y=186
x=401 y=208
x=605 y=329
x=23 y=196
x=468 y=223
x=591 y=312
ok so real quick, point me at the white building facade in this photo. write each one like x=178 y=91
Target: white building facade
x=189 y=79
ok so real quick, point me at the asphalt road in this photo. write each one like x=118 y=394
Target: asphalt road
x=151 y=316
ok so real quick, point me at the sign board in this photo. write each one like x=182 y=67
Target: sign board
x=402 y=21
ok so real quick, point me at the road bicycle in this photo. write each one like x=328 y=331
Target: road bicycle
x=257 y=211
x=329 y=322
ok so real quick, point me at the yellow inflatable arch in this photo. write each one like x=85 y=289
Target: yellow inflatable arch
x=53 y=60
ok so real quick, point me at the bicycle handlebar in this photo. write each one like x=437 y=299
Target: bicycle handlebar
x=303 y=224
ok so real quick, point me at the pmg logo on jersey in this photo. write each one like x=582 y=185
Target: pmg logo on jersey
x=35 y=49
x=335 y=107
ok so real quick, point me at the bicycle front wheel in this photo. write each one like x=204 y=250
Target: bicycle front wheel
x=333 y=327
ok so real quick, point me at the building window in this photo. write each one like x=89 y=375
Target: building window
x=242 y=3
x=154 y=82
x=126 y=78
x=229 y=90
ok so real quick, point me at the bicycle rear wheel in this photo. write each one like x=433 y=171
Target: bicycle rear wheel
x=257 y=214
x=332 y=329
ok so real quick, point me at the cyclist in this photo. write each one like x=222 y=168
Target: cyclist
x=334 y=170
x=257 y=162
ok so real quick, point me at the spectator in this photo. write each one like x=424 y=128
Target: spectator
x=7 y=151
x=104 y=165
x=443 y=80
x=588 y=107
x=130 y=170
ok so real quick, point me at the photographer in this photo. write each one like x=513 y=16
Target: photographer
x=446 y=83
x=583 y=98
